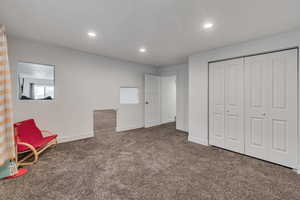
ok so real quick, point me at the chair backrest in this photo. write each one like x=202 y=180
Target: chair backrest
x=27 y=131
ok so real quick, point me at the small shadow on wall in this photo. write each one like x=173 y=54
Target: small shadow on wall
x=105 y=120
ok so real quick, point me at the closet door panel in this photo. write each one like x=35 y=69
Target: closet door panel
x=217 y=104
x=271 y=97
x=234 y=115
x=257 y=129
x=256 y=106
x=282 y=116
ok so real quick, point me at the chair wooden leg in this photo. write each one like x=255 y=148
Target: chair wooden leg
x=33 y=153
x=52 y=143
x=36 y=154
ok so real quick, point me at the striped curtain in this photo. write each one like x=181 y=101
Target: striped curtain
x=7 y=147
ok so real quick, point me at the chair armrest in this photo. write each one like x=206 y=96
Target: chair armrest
x=46 y=132
x=28 y=145
x=34 y=153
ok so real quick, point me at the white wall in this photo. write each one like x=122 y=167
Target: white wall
x=168 y=99
x=198 y=76
x=181 y=72
x=83 y=83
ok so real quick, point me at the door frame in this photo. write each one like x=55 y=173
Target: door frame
x=251 y=55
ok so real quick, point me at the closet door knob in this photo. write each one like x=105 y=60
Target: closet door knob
x=264 y=114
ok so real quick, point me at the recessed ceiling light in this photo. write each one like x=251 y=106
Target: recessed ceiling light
x=92 y=34
x=208 y=25
x=142 y=50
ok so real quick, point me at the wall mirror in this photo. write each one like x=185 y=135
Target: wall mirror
x=36 y=81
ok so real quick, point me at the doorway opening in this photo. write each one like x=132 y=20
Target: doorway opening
x=105 y=120
x=160 y=100
x=168 y=99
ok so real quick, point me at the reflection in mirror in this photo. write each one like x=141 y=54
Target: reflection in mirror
x=36 y=81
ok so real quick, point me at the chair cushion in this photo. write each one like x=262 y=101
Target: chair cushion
x=37 y=144
x=28 y=132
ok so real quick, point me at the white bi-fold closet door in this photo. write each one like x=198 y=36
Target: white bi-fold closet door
x=226 y=122
x=271 y=107
x=253 y=110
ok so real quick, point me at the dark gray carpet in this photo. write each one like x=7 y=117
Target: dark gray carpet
x=149 y=164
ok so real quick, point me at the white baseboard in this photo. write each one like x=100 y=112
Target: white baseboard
x=182 y=129
x=298 y=170
x=168 y=121
x=197 y=140
x=74 y=137
x=127 y=128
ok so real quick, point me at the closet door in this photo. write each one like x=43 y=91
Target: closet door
x=256 y=105
x=271 y=107
x=226 y=105
x=234 y=111
x=282 y=110
x=217 y=104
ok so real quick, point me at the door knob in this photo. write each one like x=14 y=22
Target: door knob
x=146 y=102
x=264 y=114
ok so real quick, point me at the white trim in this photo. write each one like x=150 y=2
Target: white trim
x=152 y=124
x=167 y=121
x=297 y=170
x=127 y=128
x=197 y=140
x=75 y=137
x=182 y=129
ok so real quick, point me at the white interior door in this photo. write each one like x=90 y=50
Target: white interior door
x=271 y=107
x=217 y=104
x=256 y=105
x=226 y=105
x=234 y=105
x=152 y=100
x=253 y=106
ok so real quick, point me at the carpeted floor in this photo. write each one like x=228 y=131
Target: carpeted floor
x=149 y=164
